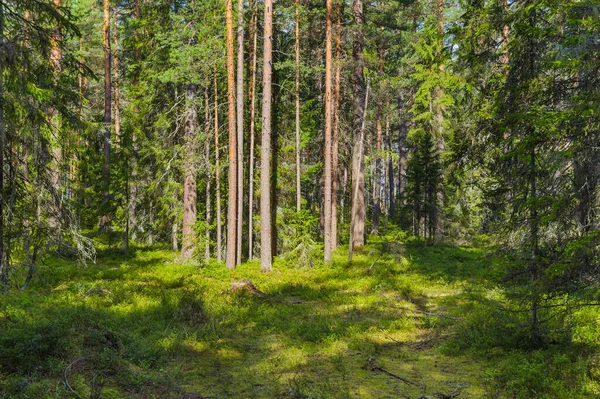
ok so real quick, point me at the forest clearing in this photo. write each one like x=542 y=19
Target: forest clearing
x=300 y=198
x=143 y=326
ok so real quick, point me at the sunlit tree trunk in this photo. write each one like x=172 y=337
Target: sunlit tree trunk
x=358 y=212
x=265 y=164
x=240 y=130
x=217 y=171
x=116 y=99
x=254 y=34
x=402 y=156
x=190 y=170
x=107 y=115
x=438 y=124
x=328 y=129
x=232 y=175
x=297 y=48
x=336 y=129
x=3 y=258
x=208 y=174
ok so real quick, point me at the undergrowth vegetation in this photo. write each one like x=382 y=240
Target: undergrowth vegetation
x=142 y=325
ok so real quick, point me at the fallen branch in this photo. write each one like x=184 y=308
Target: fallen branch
x=67 y=376
x=374 y=367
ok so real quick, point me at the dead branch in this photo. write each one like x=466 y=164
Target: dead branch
x=374 y=367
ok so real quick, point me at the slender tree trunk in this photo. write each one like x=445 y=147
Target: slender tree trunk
x=336 y=128
x=240 y=130
x=252 y=126
x=328 y=129
x=438 y=123
x=390 y=171
x=377 y=169
x=217 y=172
x=107 y=116
x=208 y=174
x=297 y=48
x=3 y=257
x=233 y=155
x=116 y=98
x=358 y=213
x=190 y=170
x=133 y=185
x=265 y=164
x=505 y=30
x=402 y=156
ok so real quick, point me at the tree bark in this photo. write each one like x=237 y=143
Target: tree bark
x=232 y=174
x=390 y=172
x=190 y=170
x=217 y=171
x=336 y=128
x=402 y=156
x=240 y=130
x=208 y=174
x=3 y=263
x=328 y=129
x=132 y=179
x=438 y=124
x=116 y=99
x=265 y=164
x=105 y=220
x=254 y=33
x=377 y=168
x=358 y=213
x=297 y=48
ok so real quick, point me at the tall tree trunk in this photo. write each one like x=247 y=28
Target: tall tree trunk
x=3 y=257
x=265 y=157
x=240 y=130
x=116 y=99
x=358 y=213
x=336 y=128
x=402 y=156
x=190 y=170
x=232 y=174
x=390 y=173
x=377 y=172
x=328 y=128
x=107 y=116
x=252 y=126
x=217 y=171
x=438 y=124
x=208 y=174
x=133 y=185
x=297 y=48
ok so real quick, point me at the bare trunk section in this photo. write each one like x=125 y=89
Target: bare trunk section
x=402 y=156
x=265 y=164
x=240 y=130
x=377 y=172
x=254 y=33
x=190 y=170
x=116 y=99
x=328 y=128
x=358 y=213
x=132 y=196
x=3 y=257
x=217 y=171
x=336 y=128
x=232 y=133
x=297 y=48
x=390 y=171
x=208 y=174
x=438 y=124
x=105 y=220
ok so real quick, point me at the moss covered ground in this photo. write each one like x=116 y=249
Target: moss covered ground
x=141 y=325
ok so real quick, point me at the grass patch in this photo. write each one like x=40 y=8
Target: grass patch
x=140 y=325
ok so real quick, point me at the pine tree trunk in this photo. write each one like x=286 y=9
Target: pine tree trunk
x=3 y=258
x=232 y=133
x=438 y=124
x=190 y=170
x=377 y=168
x=358 y=213
x=107 y=116
x=402 y=156
x=208 y=174
x=252 y=126
x=390 y=172
x=116 y=99
x=336 y=129
x=217 y=172
x=240 y=131
x=265 y=164
x=328 y=129
x=297 y=48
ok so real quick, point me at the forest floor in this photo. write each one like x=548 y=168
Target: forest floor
x=404 y=320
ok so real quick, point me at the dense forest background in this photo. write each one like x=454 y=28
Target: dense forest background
x=298 y=129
